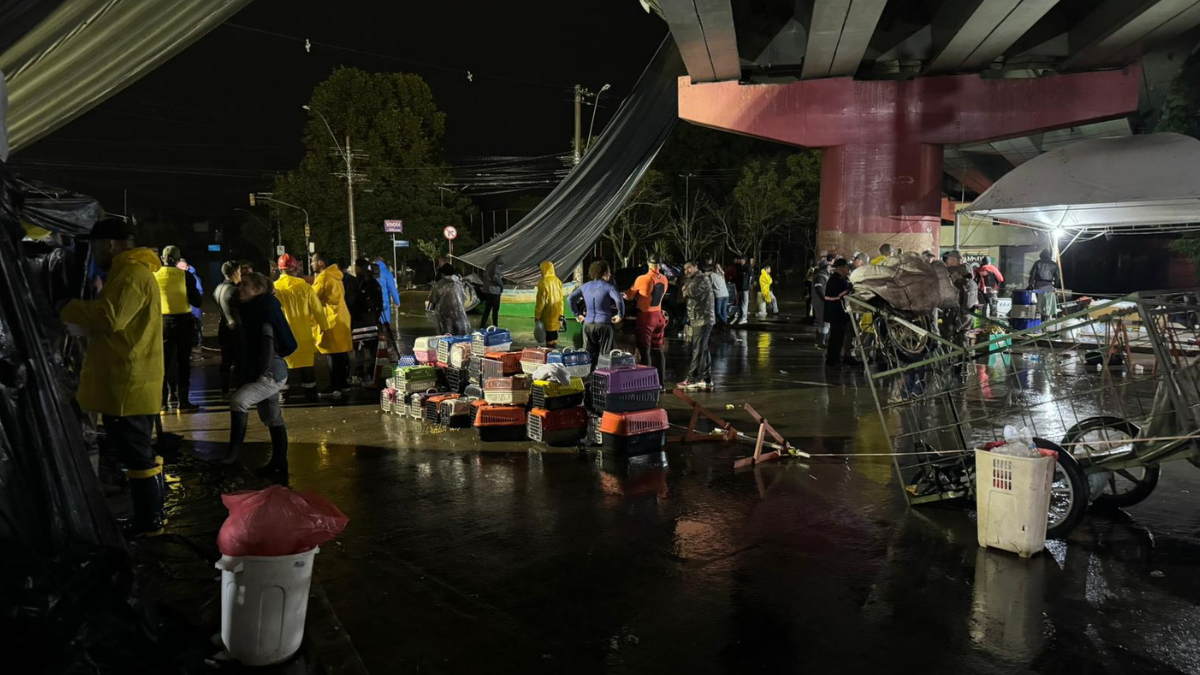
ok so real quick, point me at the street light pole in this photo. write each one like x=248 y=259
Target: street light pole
x=349 y=159
x=578 y=125
x=595 y=107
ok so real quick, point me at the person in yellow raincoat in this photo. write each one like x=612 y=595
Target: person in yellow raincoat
x=305 y=315
x=334 y=340
x=766 y=300
x=122 y=372
x=549 y=303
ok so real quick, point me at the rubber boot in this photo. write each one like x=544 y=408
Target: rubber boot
x=278 y=465
x=185 y=400
x=238 y=421
x=147 y=497
x=660 y=363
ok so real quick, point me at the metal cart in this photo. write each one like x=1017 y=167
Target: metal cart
x=1113 y=388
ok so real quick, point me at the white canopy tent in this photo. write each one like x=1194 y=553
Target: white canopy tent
x=1130 y=185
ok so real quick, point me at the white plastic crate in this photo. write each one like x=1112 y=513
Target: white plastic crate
x=459 y=353
x=510 y=397
x=415 y=386
x=1013 y=500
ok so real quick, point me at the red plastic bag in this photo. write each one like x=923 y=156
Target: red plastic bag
x=277 y=521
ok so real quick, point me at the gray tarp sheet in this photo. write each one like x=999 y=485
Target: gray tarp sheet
x=1129 y=184
x=563 y=228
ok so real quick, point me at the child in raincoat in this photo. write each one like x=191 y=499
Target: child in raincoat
x=549 y=303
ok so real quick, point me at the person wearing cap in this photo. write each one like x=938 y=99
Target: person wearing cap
x=122 y=374
x=649 y=290
x=334 y=339
x=837 y=288
x=227 y=331
x=178 y=293
x=305 y=316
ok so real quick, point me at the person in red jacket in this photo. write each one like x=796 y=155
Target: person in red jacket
x=989 y=279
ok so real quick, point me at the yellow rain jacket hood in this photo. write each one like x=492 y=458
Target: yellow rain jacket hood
x=305 y=316
x=123 y=369
x=549 y=297
x=329 y=289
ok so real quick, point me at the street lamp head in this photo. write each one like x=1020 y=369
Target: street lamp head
x=306 y=107
x=605 y=88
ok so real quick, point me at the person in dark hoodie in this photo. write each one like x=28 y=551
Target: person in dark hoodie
x=493 y=288
x=267 y=340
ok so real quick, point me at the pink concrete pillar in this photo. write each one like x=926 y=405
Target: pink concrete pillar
x=882 y=140
x=876 y=193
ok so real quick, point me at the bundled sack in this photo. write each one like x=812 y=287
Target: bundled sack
x=277 y=521
x=908 y=283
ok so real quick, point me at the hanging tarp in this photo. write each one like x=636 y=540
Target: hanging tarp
x=563 y=228
x=87 y=50
x=3 y=117
x=1121 y=185
x=57 y=209
x=18 y=17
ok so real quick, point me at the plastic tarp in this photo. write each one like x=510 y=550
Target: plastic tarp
x=563 y=228
x=59 y=210
x=87 y=50
x=1131 y=184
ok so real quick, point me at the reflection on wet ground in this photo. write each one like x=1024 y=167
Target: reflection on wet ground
x=519 y=560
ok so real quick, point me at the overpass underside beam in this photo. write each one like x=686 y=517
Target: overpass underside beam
x=839 y=35
x=704 y=32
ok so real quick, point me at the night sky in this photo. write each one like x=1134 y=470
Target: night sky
x=219 y=119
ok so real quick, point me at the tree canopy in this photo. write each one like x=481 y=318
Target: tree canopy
x=395 y=131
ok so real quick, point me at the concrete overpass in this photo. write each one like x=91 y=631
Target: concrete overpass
x=912 y=98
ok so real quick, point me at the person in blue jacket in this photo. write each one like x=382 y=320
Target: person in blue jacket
x=391 y=294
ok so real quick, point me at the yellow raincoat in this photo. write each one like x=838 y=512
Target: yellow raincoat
x=335 y=339
x=764 y=284
x=304 y=314
x=549 y=298
x=123 y=368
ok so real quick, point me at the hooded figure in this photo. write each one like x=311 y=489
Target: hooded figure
x=447 y=299
x=332 y=293
x=391 y=294
x=305 y=316
x=549 y=303
x=493 y=288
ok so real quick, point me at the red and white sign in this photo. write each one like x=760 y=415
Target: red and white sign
x=450 y=232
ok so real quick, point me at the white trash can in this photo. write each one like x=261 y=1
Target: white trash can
x=1012 y=498
x=264 y=600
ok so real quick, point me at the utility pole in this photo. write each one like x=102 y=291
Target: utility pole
x=350 y=203
x=578 y=124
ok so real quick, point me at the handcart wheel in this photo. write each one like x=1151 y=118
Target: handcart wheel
x=910 y=345
x=1068 y=493
x=1114 y=489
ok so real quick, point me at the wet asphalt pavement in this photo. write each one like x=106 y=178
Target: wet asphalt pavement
x=463 y=557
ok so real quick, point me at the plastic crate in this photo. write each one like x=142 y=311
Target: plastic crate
x=407 y=360
x=433 y=405
x=615 y=360
x=624 y=380
x=634 y=423
x=416 y=402
x=640 y=444
x=459 y=354
x=533 y=358
x=490 y=339
x=444 y=345
x=499 y=364
x=475 y=406
x=554 y=396
x=427 y=343
x=557 y=427
x=1012 y=495
x=473 y=390
x=407 y=388
x=513 y=390
x=455 y=413
x=500 y=415
x=634 y=401
x=457 y=379
x=475 y=369
x=565 y=418
x=426 y=357
x=413 y=373
x=594 y=435
x=388 y=398
x=572 y=357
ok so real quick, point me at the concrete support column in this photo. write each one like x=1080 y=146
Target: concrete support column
x=875 y=193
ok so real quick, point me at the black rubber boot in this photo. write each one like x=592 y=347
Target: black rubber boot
x=237 y=435
x=278 y=466
x=147 y=518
